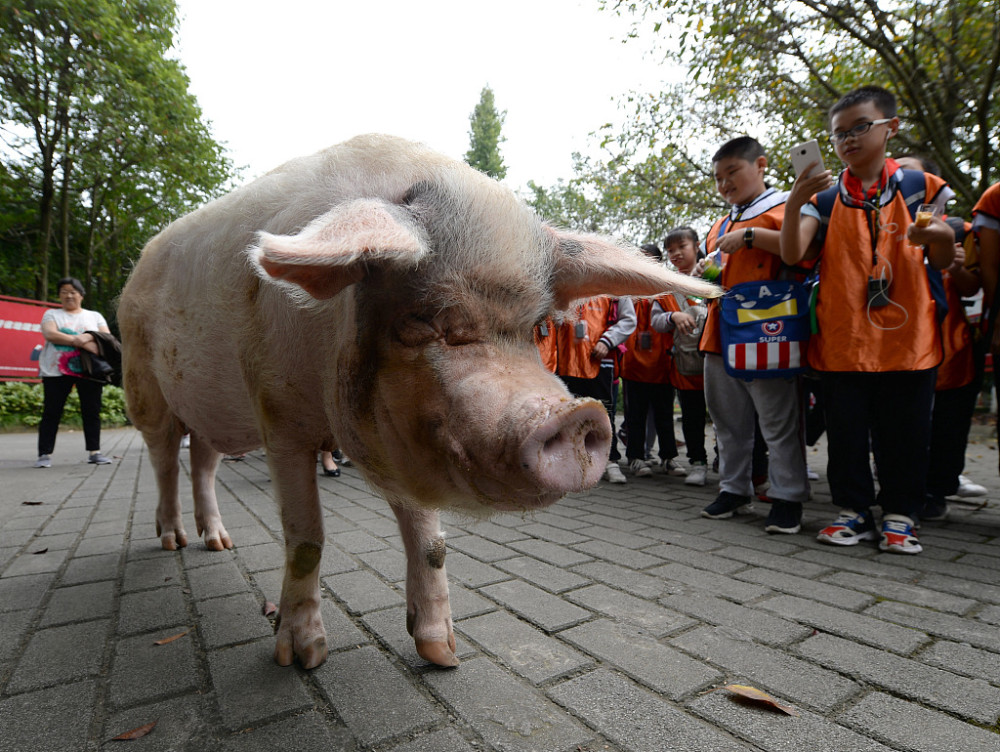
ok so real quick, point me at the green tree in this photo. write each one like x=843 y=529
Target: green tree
x=485 y=138
x=102 y=143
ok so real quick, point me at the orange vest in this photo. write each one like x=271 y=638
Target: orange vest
x=678 y=379
x=576 y=339
x=746 y=265
x=958 y=367
x=647 y=357
x=545 y=341
x=852 y=336
x=989 y=202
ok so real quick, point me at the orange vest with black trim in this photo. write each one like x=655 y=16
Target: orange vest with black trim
x=678 y=379
x=545 y=341
x=746 y=265
x=958 y=366
x=853 y=337
x=647 y=355
x=576 y=339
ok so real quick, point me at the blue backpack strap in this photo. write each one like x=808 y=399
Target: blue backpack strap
x=913 y=188
x=824 y=204
x=722 y=228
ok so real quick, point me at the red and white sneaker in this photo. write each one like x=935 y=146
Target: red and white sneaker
x=898 y=536
x=849 y=529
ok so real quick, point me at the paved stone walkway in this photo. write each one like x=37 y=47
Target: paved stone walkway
x=607 y=622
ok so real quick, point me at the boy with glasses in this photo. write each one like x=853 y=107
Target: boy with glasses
x=878 y=343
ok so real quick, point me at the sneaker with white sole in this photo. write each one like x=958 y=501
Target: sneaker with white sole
x=811 y=474
x=697 y=475
x=725 y=506
x=967 y=489
x=673 y=467
x=640 y=468
x=784 y=517
x=898 y=536
x=613 y=473
x=98 y=459
x=849 y=529
x=43 y=460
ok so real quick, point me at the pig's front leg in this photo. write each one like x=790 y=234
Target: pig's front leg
x=428 y=612
x=204 y=463
x=300 y=633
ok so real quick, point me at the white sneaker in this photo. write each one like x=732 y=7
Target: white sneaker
x=697 y=475
x=613 y=473
x=640 y=468
x=967 y=488
x=673 y=467
x=811 y=474
x=186 y=441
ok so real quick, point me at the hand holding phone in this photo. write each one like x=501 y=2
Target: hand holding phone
x=804 y=154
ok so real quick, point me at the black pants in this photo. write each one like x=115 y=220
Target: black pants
x=952 y=418
x=600 y=388
x=895 y=410
x=693 y=423
x=639 y=397
x=56 y=390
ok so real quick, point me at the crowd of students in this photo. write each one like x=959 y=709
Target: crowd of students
x=894 y=365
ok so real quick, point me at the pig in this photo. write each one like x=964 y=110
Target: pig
x=380 y=298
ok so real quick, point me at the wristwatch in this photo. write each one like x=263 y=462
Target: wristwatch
x=748 y=237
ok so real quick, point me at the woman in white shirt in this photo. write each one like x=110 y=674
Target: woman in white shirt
x=59 y=366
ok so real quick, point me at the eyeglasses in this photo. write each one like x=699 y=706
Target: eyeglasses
x=857 y=131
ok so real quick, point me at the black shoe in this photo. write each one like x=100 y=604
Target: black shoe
x=784 y=517
x=331 y=473
x=725 y=506
x=935 y=508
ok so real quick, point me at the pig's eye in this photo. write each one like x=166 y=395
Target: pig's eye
x=413 y=331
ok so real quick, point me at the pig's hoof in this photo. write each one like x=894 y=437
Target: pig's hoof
x=310 y=655
x=440 y=653
x=216 y=537
x=171 y=540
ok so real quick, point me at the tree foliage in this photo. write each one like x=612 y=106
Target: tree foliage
x=772 y=69
x=102 y=144
x=485 y=138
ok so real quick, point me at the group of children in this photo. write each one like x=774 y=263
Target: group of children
x=889 y=334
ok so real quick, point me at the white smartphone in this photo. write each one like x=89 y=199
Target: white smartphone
x=804 y=154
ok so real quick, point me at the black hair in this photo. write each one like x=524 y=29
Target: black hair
x=684 y=232
x=927 y=165
x=73 y=282
x=652 y=249
x=883 y=99
x=742 y=147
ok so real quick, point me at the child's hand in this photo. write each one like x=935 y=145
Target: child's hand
x=959 y=261
x=683 y=322
x=699 y=268
x=804 y=188
x=731 y=242
x=938 y=231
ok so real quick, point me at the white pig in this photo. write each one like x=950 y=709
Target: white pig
x=380 y=298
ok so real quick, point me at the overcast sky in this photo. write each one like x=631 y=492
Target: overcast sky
x=282 y=78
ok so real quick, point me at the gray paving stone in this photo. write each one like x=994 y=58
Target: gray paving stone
x=51 y=719
x=96 y=546
x=13 y=628
x=341 y=632
x=494 y=532
x=546 y=576
x=143 y=671
x=389 y=625
x=251 y=688
x=759 y=626
x=181 y=724
x=553 y=534
x=616 y=537
x=152 y=572
x=151 y=609
x=54 y=542
x=465 y=602
x=261 y=557
x=626 y=557
x=832 y=595
x=903 y=591
x=636 y=719
x=472 y=573
x=61 y=654
x=619 y=606
x=907 y=725
x=975 y=590
x=963 y=659
x=358 y=681
x=990 y=614
x=552 y=553
x=969 y=698
x=80 y=603
x=861 y=627
x=766 y=668
x=216 y=580
x=956 y=628
x=698 y=559
x=17 y=593
x=637 y=583
x=778 y=562
x=356 y=542
x=774 y=731
x=362 y=591
x=308 y=731
x=388 y=563
x=523 y=649
x=543 y=609
x=447 y=740
x=642 y=657
x=479 y=548
x=230 y=619
x=509 y=716
x=716 y=584
x=36 y=560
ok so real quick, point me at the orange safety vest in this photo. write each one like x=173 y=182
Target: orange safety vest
x=958 y=367
x=647 y=357
x=747 y=264
x=901 y=336
x=678 y=379
x=576 y=339
x=545 y=341
x=989 y=202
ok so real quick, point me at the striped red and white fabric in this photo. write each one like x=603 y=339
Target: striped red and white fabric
x=765 y=356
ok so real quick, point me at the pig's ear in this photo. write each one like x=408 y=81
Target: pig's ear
x=587 y=266
x=336 y=249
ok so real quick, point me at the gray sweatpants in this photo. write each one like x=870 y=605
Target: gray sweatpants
x=732 y=403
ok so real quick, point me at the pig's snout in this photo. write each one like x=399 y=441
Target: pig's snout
x=568 y=452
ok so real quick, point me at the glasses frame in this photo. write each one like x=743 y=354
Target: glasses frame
x=857 y=131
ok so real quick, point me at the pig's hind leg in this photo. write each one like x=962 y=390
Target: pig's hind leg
x=204 y=463
x=428 y=610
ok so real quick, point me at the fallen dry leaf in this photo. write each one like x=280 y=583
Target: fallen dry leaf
x=168 y=640
x=270 y=608
x=32 y=503
x=136 y=733
x=41 y=551
x=752 y=693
